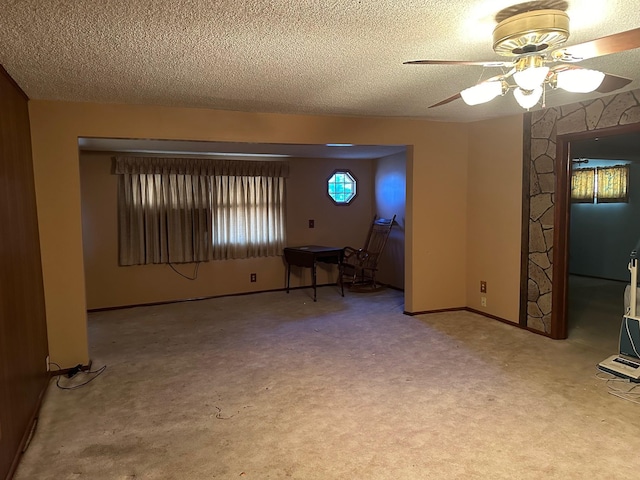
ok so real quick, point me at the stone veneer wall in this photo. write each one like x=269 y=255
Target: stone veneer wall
x=546 y=124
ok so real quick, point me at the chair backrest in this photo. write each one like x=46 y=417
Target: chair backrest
x=377 y=239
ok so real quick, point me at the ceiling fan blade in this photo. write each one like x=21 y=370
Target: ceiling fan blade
x=448 y=100
x=612 y=82
x=458 y=62
x=618 y=42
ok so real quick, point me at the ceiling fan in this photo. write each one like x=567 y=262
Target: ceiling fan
x=533 y=39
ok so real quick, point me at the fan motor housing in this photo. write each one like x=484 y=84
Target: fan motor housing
x=531 y=32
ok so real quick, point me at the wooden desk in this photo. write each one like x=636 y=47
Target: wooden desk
x=308 y=256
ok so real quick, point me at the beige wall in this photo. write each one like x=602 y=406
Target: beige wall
x=108 y=285
x=495 y=216
x=436 y=210
x=390 y=200
x=307 y=199
x=436 y=230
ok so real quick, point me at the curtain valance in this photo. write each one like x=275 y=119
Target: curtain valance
x=199 y=166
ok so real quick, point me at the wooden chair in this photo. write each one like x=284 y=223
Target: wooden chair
x=359 y=266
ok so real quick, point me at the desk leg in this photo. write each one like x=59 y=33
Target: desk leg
x=314 y=281
x=288 y=275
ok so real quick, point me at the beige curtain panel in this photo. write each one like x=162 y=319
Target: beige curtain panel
x=613 y=184
x=248 y=216
x=176 y=210
x=164 y=219
x=583 y=185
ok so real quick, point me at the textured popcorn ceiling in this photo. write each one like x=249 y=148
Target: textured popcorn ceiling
x=292 y=56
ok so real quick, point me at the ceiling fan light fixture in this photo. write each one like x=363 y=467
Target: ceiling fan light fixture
x=531 y=78
x=481 y=93
x=579 y=80
x=531 y=31
x=527 y=98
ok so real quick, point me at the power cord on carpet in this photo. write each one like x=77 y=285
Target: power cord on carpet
x=73 y=372
x=195 y=271
x=630 y=394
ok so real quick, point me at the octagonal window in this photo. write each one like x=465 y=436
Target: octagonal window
x=341 y=187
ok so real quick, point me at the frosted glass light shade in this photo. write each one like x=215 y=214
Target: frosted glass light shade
x=481 y=93
x=579 y=80
x=531 y=78
x=527 y=98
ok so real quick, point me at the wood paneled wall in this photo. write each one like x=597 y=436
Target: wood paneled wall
x=23 y=331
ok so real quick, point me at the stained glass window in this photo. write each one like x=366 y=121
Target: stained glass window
x=341 y=187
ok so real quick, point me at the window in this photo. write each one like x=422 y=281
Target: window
x=600 y=184
x=612 y=184
x=583 y=182
x=192 y=210
x=341 y=187
x=248 y=216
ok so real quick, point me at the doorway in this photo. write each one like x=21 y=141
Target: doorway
x=594 y=241
x=109 y=286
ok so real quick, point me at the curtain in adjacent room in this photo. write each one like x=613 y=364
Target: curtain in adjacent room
x=613 y=184
x=583 y=185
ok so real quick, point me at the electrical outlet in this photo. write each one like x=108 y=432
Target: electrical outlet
x=48 y=364
x=312 y=223
x=483 y=301
x=254 y=277
x=483 y=286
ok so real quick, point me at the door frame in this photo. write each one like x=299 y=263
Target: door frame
x=562 y=222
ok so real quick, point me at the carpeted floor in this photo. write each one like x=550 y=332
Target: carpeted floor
x=275 y=386
x=596 y=307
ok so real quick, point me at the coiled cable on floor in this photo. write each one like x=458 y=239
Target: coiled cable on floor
x=631 y=394
x=75 y=371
